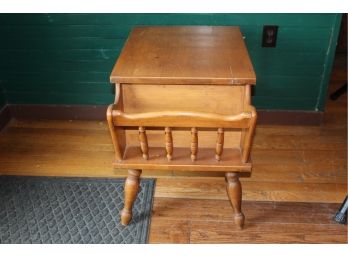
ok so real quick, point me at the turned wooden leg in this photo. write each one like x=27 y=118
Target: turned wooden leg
x=131 y=188
x=234 y=191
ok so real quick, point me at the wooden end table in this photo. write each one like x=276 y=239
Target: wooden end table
x=182 y=102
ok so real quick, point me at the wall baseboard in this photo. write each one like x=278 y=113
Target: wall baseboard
x=5 y=116
x=98 y=112
x=58 y=112
x=283 y=117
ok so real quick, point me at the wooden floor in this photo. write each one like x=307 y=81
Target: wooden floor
x=299 y=178
x=210 y=221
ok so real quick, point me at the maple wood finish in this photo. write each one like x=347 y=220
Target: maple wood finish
x=219 y=144
x=169 y=143
x=131 y=189
x=194 y=144
x=234 y=190
x=143 y=143
x=184 y=55
x=180 y=78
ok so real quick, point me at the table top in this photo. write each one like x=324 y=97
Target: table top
x=184 y=55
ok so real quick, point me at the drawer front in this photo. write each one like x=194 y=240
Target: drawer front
x=200 y=98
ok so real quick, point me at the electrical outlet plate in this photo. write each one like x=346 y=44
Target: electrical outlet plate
x=269 y=36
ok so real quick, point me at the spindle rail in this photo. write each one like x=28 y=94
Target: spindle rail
x=245 y=120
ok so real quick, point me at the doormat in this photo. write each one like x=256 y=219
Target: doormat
x=45 y=210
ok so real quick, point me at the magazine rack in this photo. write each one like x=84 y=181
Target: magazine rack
x=182 y=102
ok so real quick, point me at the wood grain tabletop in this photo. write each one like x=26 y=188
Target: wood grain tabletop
x=184 y=55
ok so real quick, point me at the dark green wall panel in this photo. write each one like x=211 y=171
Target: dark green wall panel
x=67 y=58
x=305 y=20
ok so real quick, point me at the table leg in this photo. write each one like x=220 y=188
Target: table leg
x=131 y=188
x=234 y=191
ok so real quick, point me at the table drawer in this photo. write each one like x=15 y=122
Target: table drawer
x=219 y=99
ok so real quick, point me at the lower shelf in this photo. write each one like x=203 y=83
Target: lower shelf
x=230 y=160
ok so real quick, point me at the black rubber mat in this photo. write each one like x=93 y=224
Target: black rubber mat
x=71 y=210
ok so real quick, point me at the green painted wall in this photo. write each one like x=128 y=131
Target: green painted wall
x=67 y=58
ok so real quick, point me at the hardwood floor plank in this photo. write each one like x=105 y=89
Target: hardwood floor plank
x=323 y=172
x=275 y=172
x=70 y=170
x=211 y=221
x=324 y=143
x=316 y=156
x=270 y=142
x=226 y=232
x=59 y=124
x=54 y=135
x=261 y=156
x=214 y=188
x=169 y=231
x=255 y=211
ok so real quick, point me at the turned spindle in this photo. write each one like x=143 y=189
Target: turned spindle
x=219 y=144
x=194 y=144
x=169 y=143
x=143 y=143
